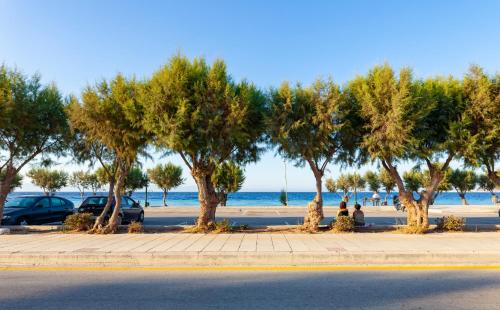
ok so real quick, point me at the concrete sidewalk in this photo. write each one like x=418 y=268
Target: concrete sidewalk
x=252 y=249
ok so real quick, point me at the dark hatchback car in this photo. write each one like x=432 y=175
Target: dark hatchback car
x=28 y=210
x=130 y=210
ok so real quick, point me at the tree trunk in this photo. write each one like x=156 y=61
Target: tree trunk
x=164 y=198
x=463 y=199
x=315 y=207
x=494 y=177
x=99 y=222
x=207 y=198
x=5 y=188
x=113 y=222
x=222 y=199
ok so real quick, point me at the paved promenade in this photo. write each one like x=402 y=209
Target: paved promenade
x=251 y=249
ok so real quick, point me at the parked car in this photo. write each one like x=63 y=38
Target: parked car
x=27 y=210
x=130 y=210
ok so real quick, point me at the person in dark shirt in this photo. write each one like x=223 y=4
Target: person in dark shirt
x=358 y=216
x=343 y=209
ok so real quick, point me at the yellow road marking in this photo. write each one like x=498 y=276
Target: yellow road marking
x=254 y=268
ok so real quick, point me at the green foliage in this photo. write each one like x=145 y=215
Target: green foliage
x=49 y=180
x=227 y=178
x=486 y=184
x=79 y=222
x=373 y=181
x=342 y=224
x=197 y=111
x=386 y=181
x=134 y=180
x=166 y=176
x=32 y=118
x=223 y=226
x=450 y=223
x=283 y=198
x=93 y=182
x=102 y=174
x=306 y=123
x=413 y=180
x=481 y=124
x=386 y=106
x=356 y=181
x=343 y=183
x=79 y=179
x=111 y=114
x=463 y=180
x=330 y=185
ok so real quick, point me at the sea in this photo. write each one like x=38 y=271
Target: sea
x=270 y=198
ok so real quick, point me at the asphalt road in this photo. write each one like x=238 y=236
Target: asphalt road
x=459 y=289
x=163 y=219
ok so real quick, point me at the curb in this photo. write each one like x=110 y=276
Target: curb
x=209 y=259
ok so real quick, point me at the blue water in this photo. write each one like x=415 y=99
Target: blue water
x=272 y=198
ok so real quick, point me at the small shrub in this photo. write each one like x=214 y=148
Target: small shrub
x=342 y=224
x=79 y=222
x=223 y=226
x=135 y=228
x=450 y=223
x=412 y=229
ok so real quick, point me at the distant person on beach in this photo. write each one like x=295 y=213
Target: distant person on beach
x=376 y=199
x=343 y=209
x=358 y=216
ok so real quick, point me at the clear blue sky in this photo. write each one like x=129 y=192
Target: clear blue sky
x=78 y=42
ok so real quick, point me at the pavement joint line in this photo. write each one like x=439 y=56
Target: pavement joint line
x=257 y=268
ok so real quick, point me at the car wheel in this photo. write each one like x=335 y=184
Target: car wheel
x=22 y=221
x=141 y=217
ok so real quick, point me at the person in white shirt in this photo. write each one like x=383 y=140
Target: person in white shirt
x=376 y=199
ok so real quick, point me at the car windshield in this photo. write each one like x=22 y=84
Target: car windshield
x=21 y=202
x=96 y=201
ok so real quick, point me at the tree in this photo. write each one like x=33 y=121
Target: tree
x=134 y=180
x=198 y=112
x=87 y=149
x=344 y=185
x=386 y=106
x=111 y=115
x=312 y=125
x=437 y=134
x=485 y=183
x=411 y=120
x=413 y=180
x=228 y=178
x=373 y=181
x=356 y=182
x=94 y=183
x=463 y=181
x=32 y=123
x=166 y=176
x=49 y=180
x=387 y=183
x=79 y=179
x=482 y=134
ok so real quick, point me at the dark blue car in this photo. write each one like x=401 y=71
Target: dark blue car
x=28 y=210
